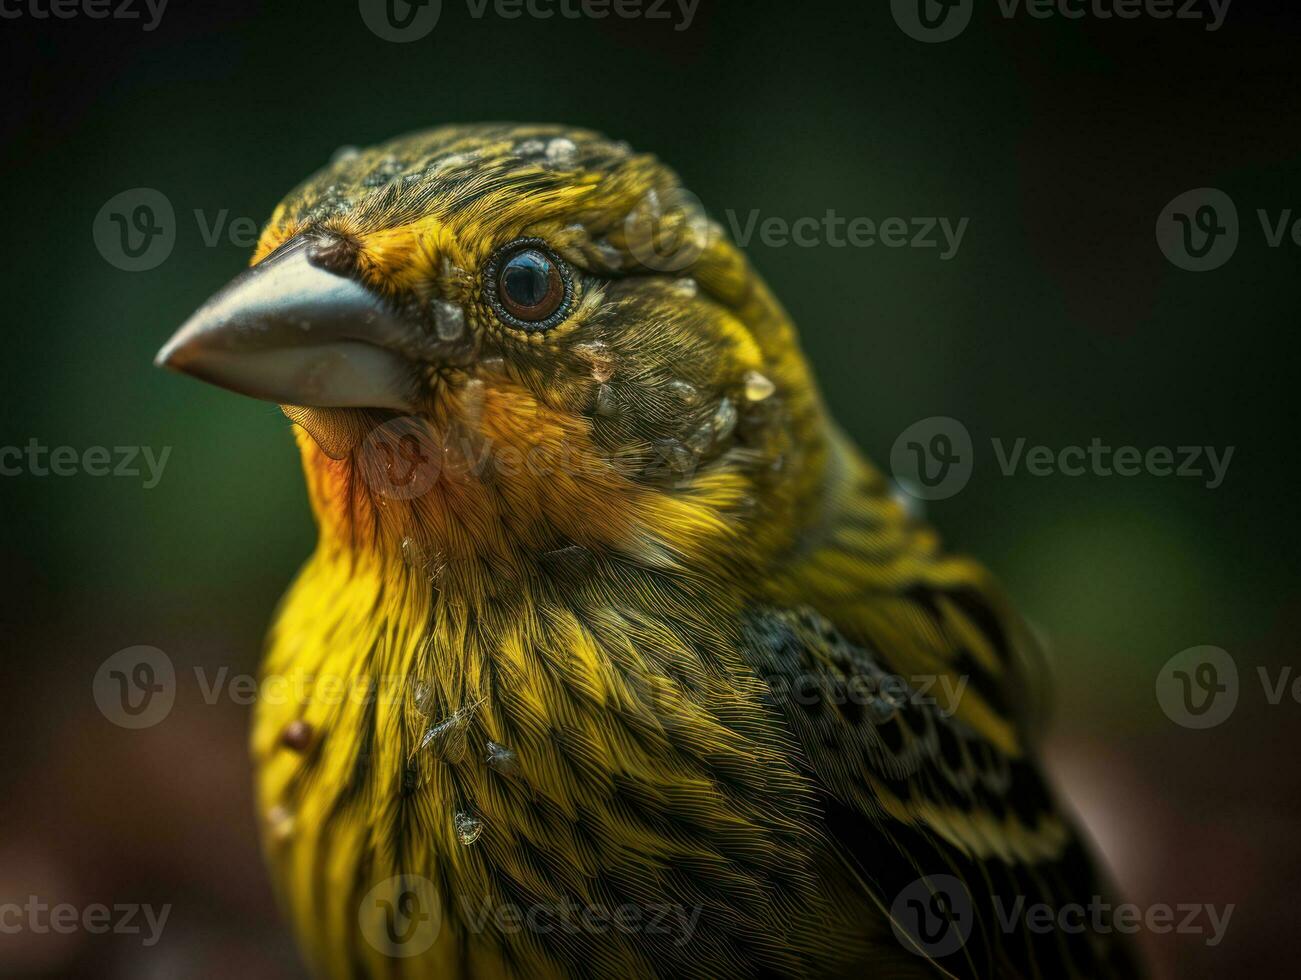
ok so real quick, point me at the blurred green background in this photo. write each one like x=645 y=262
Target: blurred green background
x=1059 y=320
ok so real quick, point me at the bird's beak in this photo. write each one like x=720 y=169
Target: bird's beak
x=289 y=330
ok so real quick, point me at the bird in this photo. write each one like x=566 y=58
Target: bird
x=615 y=657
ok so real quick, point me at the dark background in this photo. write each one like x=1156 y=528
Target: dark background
x=1059 y=320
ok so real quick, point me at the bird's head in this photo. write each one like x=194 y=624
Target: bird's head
x=503 y=342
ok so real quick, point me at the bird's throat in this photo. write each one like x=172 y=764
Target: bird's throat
x=492 y=478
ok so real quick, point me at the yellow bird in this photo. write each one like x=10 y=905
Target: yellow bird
x=614 y=657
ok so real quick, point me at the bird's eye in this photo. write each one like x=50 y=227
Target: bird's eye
x=528 y=285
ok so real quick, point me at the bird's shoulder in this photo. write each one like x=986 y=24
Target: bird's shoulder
x=911 y=690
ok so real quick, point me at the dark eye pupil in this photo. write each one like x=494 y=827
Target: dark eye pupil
x=527 y=278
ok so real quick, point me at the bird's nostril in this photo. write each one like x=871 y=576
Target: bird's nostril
x=331 y=252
